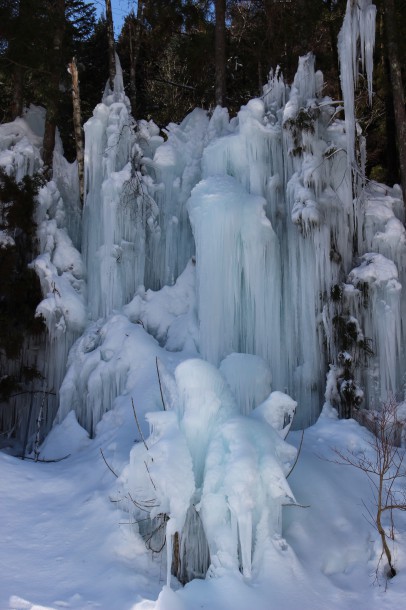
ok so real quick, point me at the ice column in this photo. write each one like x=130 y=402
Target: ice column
x=176 y=169
x=356 y=41
x=117 y=206
x=238 y=272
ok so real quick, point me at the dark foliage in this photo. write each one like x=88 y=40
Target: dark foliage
x=20 y=291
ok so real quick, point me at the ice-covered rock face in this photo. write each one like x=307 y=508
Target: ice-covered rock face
x=217 y=475
x=270 y=199
x=59 y=268
x=376 y=282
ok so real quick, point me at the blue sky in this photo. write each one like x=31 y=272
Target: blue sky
x=120 y=9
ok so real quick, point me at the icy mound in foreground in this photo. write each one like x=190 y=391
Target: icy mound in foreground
x=214 y=477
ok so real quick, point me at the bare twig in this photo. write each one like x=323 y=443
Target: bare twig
x=149 y=474
x=297 y=456
x=160 y=384
x=44 y=461
x=107 y=464
x=32 y=392
x=138 y=425
x=383 y=470
x=172 y=84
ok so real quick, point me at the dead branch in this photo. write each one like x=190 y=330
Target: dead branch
x=107 y=464
x=383 y=470
x=138 y=425
x=160 y=384
x=149 y=474
x=297 y=456
x=172 y=84
x=44 y=461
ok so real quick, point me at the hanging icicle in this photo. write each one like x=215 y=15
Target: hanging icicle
x=356 y=42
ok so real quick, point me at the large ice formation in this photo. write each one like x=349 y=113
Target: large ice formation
x=271 y=206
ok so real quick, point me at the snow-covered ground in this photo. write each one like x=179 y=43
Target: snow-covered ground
x=68 y=543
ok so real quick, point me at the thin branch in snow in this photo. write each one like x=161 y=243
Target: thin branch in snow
x=297 y=456
x=107 y=464
x=160 y=384
x=138 y=425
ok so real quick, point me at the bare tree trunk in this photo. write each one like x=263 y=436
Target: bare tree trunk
x=17 y=101
x=220 y=55
x=58 y=12
x=77 y=124
x=135 y=42
x=397 y=89
x=110 y=35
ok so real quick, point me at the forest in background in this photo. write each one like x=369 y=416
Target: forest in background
x=167 y=51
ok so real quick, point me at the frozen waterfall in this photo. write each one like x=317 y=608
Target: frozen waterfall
x=270 y=205
x=236 y=264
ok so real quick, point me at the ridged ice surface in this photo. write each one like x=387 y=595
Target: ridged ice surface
x=356 y=39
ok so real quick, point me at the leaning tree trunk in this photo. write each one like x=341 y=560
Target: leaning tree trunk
x=220 y=55
x=17 y=99
x=58 y=21
x=77 y=125
x=397 y=89
x=134 y=25
x=110 y=35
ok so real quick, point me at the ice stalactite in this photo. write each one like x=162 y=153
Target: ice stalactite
x=136 y=229
x=238 y=272
x=276 y=228
x=376 y=302
x=117 y=207
x=214 y=475
x=356 y=42
x=249 y=378
x=63 y=308
x=176 y=170
x=291 y=154
x=268 y=203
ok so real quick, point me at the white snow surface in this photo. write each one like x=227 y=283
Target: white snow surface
x=68 y=544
